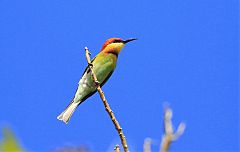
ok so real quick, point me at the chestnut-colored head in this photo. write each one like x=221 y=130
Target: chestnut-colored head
x=114 y=45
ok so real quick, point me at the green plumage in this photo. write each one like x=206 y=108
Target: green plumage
x=103 y=66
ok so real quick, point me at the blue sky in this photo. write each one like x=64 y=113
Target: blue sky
x=186 y=55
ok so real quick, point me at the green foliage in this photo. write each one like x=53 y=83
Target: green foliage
x=9 y=142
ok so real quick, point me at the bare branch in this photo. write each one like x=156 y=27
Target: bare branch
x=169 y=135
x=147 y=145
x=117 y=148
x=107 y=107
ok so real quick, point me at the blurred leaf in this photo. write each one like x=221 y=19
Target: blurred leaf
x=9 y=142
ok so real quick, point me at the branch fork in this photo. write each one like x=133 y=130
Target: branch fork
x=170 y=135
x=107 y=107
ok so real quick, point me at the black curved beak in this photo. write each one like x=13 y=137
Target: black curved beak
x=129 y=40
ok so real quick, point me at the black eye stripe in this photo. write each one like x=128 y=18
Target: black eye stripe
x=116 y=41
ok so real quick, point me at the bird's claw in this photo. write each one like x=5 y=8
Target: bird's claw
x=97 y=83
x=90 y=64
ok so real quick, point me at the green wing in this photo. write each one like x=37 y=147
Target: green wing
x=89 y=95
x=103 y=66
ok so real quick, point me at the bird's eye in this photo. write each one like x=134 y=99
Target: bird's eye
x=116 y=41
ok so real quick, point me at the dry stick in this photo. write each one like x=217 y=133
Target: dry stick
x=170 y=136
x=107 y=107
x=147 y=145
x=117 y=148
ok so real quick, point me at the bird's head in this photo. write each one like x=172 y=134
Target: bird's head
x=115 y=45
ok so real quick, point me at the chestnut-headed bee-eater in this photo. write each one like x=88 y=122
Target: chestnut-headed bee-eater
x=103 y=66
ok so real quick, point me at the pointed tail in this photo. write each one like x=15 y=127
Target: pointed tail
x=67 y=113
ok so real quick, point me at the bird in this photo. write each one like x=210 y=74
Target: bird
x=103 y=64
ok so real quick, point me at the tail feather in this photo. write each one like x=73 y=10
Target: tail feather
x=67 y=113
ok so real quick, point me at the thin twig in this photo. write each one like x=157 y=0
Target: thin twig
x=147 y=145
x=117 y=148
x=107 y=107
x=169 y=135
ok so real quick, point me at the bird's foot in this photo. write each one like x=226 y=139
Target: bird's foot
x=90 y=64
x=97 y=83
